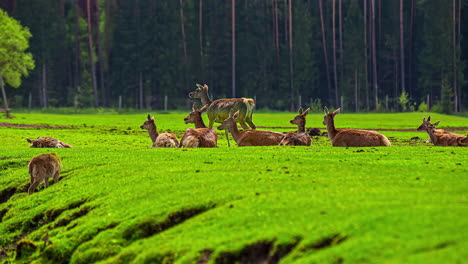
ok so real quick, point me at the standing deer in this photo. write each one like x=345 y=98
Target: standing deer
x=440 y=137
x=47 y=142
x=351 y=137
x=218 y=111
x=250 y=137
x=299 y=138
x=201 y=136
x=163 y=140
x=43 y=167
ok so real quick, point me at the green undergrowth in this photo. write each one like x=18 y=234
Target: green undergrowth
x=119 y=201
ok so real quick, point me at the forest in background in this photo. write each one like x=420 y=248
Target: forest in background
x=366 y=55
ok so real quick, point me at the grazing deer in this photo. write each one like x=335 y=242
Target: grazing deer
x=163 y=140
x=43 y=167
x=299 y=138
x=440 y=137
x=47 y=142
x=250 y=137
x=218 y=111
x=201 y=136
x=351 y=137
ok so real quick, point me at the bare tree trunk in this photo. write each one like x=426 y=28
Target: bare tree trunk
x=291 y=73
x=200 y=26
x=459 y=51
x=44 y=86
x=402 y=49
x=140 y=86
x=77 y=47
x=100 y=57
x=356 y=93
x=340 y=22
x=366 y=81
x=410 y=49
x=91 y=55
x=182 y=26
x=324 y=44
x=233 y=35
x=374 y=57
x=335 y=77
x=454 y=39
x=277 y=45
x=5 y=101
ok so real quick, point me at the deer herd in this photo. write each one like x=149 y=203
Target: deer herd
x=229 y=112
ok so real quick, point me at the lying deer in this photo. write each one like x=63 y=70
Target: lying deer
x=250 y=137
x=47 y=142
x=201 y=136
x=218 y=111
x=299 y=138
x=351 y=137
x=440 y=137
x=43 y=167
x=163 y=140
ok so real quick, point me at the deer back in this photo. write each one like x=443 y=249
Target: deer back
x=199 y=138
x=359 y=138
x=44 y=165
x=166 y=140
x=296 y=139
x=219 y=109
x=259 y=138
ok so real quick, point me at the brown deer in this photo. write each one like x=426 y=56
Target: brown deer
x=250 y=137
x=201 y=136
x=299 y=138
x=47 y=142
x=218 y=111
x=43 y=167
x=440 y=137
x=351 y=137
x=163 y=140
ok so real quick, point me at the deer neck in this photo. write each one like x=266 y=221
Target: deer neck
x=205 y=99
x=199 y=122
x=153 y=132
x=331 y=129
x=432 y=136
x=235 y=132
x=301 y=128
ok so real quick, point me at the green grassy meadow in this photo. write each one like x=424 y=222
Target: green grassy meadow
x=119 y=201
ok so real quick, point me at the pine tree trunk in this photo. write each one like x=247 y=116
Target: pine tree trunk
x=77 y=48
x=374 y=57
x=44 y=86
x=291 y=73
x=233 y=42
x=366 y=69
x=459 y=51
x=356 y=93
x=100 y=57
x=200 y=27
x=455 y=89
x=402 y=50
x=335 y=76
x=140 y=86
x=340 y=22
x=410 y=50
x=5 y=101
x=91 y=55
x=324 y=44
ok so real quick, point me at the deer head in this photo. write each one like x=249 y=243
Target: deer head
x=300 y=119
x=148 y=123
x=199 y=92
x=329 y=116
x=424 y=124
x=230 y=121
x=194 y=115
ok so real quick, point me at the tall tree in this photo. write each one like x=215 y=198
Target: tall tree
x=324 y=45
x=233 y=45
x=454 y=52
x=402 y=49
x=366 y=63
x=291 y=73
x=374 y=57
x=91 y=54
x=335 y=76
x=14 y=60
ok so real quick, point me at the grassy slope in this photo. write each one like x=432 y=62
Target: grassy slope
x=120 y=201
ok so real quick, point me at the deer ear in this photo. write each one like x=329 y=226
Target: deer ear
x=195 y=107
x=149 y=117
x=424 y=119
x=300 y=110
x=325 y=110
x=152 y=118
x=236 y=114
x=337 y=111
x=29 y=140
x=199 y=85
x=205 y=86
x=436 y=123
x=306 y=112
x=428 y=118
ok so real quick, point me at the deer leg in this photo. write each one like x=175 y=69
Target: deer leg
x=33 y=186
x=243 y=124
x=248 y=119
x=227 y=138
x=46 y=182
x=56 y=176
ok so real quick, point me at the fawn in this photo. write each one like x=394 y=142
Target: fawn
x=201 y=136
x=43 y=167
x=299 y=138
x=47 y=142
x=351 y=137
x=250 y=137
x=163 y=140
x=440 y=137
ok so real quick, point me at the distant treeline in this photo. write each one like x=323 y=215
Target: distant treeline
x=365 y=55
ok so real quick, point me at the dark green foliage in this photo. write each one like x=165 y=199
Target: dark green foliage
x=143 y=52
